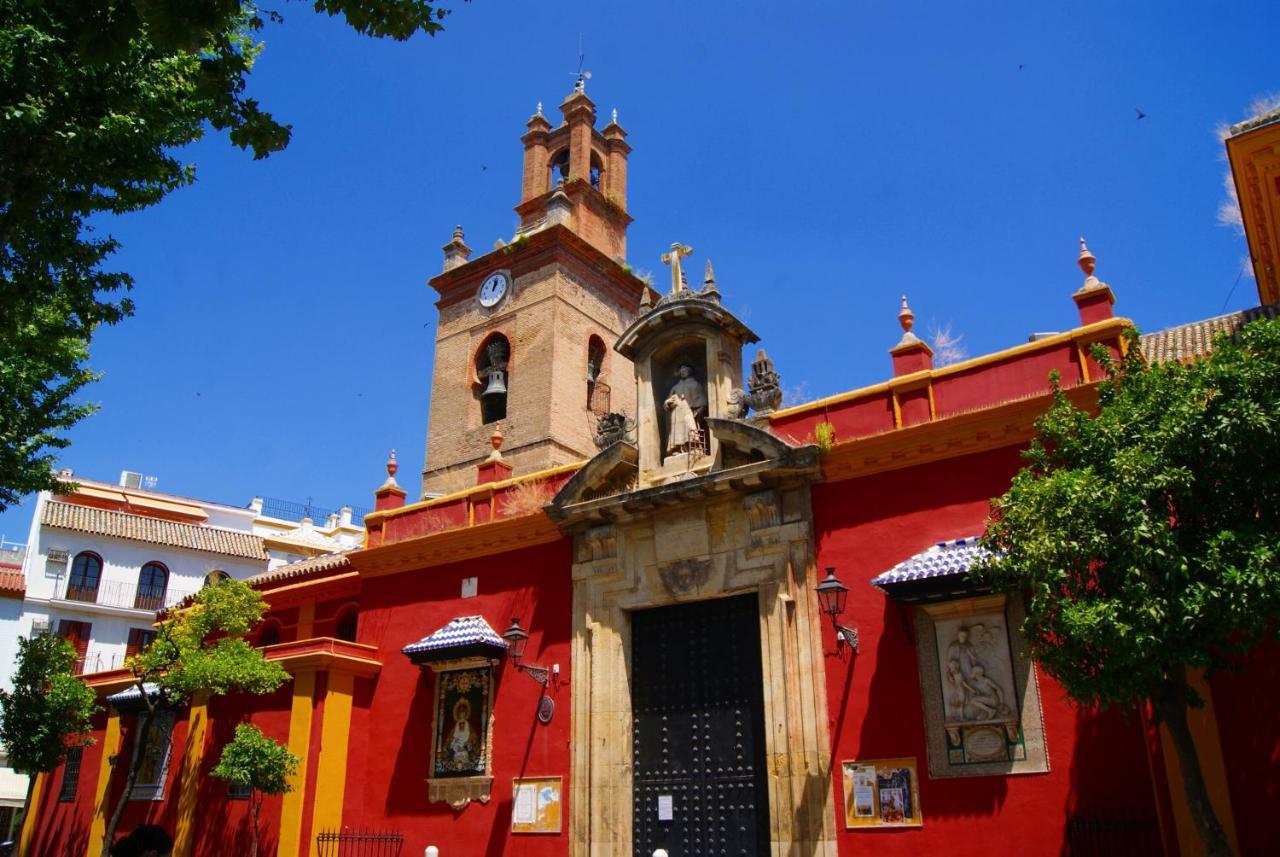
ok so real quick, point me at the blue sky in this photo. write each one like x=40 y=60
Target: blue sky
x=827 y=156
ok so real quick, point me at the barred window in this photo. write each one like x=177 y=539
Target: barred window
x=70 y=775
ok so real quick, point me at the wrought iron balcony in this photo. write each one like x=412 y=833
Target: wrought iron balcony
x=129 y=596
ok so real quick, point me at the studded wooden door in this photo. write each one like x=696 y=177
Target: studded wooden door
x=698 y=730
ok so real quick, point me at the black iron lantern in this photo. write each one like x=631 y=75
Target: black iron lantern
x=517 y=638
x=831 y=597
x=832 y=594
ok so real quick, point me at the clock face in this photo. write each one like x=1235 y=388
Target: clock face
x=493 y=289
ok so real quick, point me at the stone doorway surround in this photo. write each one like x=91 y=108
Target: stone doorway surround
x=745 y=529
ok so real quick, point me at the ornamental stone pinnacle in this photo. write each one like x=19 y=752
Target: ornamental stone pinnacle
x=709 y=288
x=907 y=319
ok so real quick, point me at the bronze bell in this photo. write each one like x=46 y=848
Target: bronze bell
x=497 y=383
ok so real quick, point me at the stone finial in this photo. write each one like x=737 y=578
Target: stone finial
x=709 y=287
x=907 y=319
x=911 y=354
x=613 y=120
x=1087 y=261
x=389 y=495
x=392 y=467
x=456 y=252
x=496 y=440
x=646 y=298
x=539 y=110
x=457 y=234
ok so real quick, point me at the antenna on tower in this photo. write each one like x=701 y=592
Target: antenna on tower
x=582 y=76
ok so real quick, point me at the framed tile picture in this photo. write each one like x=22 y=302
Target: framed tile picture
x=881 y=793
x=536 y=805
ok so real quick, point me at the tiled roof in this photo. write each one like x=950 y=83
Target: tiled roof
x=324 y=562
x=131 y=693
x=460 y=632
x=943 y=559
x=12 y=583
x=103 y=522
x=1256 y=122
x=1189 y=341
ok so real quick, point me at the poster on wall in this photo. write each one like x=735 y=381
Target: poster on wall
x=881 y=793
x=462 y=721
x=535 y=805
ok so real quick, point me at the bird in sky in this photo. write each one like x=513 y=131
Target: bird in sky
x=1141 y=115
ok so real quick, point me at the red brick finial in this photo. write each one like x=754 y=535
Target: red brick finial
x=495 y=468
x=496 y=440
x=389 y=495
x=911 y=354
x=1095 y=298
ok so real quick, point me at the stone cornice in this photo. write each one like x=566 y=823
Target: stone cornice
x=325 y=653
x=453 y=545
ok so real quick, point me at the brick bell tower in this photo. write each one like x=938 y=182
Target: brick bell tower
x=525 y=338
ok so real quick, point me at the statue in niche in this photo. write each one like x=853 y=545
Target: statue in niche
x=977 y=678
x=685 y=405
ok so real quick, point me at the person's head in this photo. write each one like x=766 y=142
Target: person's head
x=148 y=840
x=461 y=710
x=685 y=370
x=962 y=634
x=978 y=671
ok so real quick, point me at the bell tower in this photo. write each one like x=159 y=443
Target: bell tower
x=522 y=343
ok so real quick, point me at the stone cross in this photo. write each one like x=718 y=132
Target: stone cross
x=673 y=259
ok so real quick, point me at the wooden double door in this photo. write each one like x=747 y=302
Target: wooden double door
x=698 y=749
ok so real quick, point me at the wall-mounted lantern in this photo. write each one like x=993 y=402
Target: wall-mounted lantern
x=831 y=596
x=517 y=638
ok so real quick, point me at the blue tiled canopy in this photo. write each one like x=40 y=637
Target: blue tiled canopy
x=462 y=637
x=130 y=699
x=938 y=572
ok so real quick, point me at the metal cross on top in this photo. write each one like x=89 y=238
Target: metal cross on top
x=673 y=259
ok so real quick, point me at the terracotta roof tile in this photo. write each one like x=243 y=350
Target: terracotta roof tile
x=324 y=562
x=1189 y=341
x=103 y=522
x=12 y=584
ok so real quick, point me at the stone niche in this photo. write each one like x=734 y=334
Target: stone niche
x=653 y=528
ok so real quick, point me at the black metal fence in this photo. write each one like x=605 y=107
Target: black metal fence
x=364 y=843
x=292 y=511
x=1105 y=837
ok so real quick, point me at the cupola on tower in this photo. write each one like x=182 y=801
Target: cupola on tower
x=521 y=347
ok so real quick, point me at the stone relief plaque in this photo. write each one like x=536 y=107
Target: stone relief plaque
x=975 y=670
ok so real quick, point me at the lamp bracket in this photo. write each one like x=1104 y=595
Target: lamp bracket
x=847 y=636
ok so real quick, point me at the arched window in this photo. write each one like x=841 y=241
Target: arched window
x=269 y=634
x=493 y=370
x=595 y=365
x=597 y=170
x=215 y=576
x=347 y=623
x=560 y=169
x=152 y=581
x=86 y=574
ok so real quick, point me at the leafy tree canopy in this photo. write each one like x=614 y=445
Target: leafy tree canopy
x=97 y=97
x=49 y=709
x=254 y=761
x=1146 y=538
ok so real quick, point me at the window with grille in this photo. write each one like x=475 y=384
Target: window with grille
x=139 y=639
x=155 y=758
x=70 y=775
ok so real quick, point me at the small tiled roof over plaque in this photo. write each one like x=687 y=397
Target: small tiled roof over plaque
x=933 y=574
x=130 y=698
x=465 y=636
x=1195 y=339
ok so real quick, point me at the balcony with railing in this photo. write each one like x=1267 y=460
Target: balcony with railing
x=12 y=553
x=111 y=593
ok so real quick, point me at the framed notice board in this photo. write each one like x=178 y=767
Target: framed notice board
x=536 y=805
x=881 y=793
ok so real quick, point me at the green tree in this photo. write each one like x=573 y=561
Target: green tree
x=199 y=651
x=48 y=711
x=253 y=761
x=1146 y=538
x=97 y=98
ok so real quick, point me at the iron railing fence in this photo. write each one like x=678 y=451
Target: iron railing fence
x=290 y=510
x=111 y=593
x=1113 y=837
x=364 y=843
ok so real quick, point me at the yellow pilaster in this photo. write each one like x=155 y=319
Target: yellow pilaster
x=192 y=757
x=304 y=686
x=306 y=620
x=1204 y=731
x=110 y=747
x=331 y=767
x=29 y=820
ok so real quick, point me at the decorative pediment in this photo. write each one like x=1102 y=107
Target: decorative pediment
x=744 y=443
x=611 y=471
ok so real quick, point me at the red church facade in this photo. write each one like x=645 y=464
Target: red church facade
x=682 y=687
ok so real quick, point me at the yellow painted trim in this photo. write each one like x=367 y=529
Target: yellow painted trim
x=1098 y=329
x=897 y=411
x=1203 y=723
x=933 y=408
x=478 y=489
x=307 y=584
x=331 y=767
x=28 y=820
x=1084 y=362
x=304 y=685
x=306 y=618
x=192 y=757
x=110 y=747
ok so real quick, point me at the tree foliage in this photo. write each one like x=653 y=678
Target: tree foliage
x=97 y=98
x=198 y=651
x=253 y=761
x=1146 y=538
x=49 y=708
